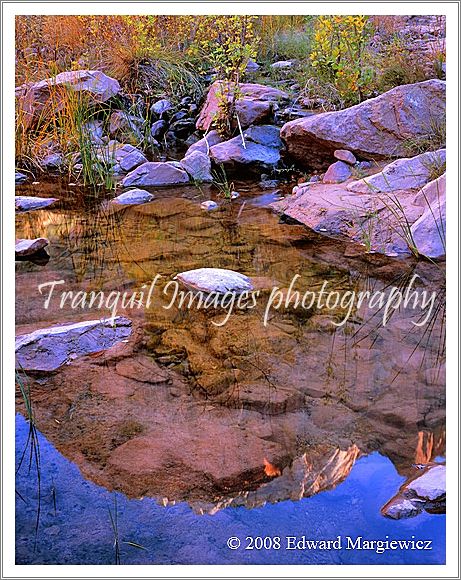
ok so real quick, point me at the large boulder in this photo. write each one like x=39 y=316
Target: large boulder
x=198 y=166
x=48 y=349
x=156 y=173
x=259 y=149
x=375 y=129
x=46 y=97
x=407 y=173
x=373 y=220
x=255 y=104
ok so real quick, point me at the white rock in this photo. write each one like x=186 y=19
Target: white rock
x=133 y=196
x=30 y=247
x=431 y=485
x=215 y=280
x=49 y=348
x=209 y=205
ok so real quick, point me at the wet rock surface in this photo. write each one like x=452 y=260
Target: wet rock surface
x=49 y=348
x=29 y=203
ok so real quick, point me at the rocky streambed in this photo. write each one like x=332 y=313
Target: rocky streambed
x=255 y=406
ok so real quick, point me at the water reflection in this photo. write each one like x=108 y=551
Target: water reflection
x=187 y=411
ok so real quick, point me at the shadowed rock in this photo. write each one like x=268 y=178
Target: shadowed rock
x=203 y=145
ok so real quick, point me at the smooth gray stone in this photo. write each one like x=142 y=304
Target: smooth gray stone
x=48 y=349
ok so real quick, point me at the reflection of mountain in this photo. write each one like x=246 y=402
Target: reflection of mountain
x=191 y=411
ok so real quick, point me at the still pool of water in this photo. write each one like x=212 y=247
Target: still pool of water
x=193 y=433
x=75 y=526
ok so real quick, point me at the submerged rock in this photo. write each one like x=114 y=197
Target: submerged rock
x=424 y=492
x=30 y=247
x=375 y=129
x=215 y=280
x=255 y=105
x=49 y=348
x=45 y=96
x=29 y=203
x=407 y=173
x=156 y=173
x=198 y=166
x=133 y=196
